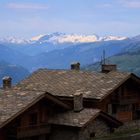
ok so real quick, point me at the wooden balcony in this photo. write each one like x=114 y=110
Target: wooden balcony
x=34 y=130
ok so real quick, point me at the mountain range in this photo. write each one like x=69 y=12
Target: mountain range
x=58 y=50
x=60 y=38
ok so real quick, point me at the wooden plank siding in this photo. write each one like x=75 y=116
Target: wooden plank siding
x=124 y=102
x=22 y=126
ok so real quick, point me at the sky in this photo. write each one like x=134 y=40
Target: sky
x=28 y=18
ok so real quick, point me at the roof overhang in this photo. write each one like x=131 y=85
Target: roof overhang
x=132 y=76
x=45 y=95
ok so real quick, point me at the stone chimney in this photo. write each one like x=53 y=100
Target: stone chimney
x=75 y=66
x=108 y=67
x=78 y=101
x=7 y=82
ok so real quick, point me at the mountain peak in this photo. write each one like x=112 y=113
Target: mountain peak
x=111 y=37
x=14 y=40
x=74 y=38
x=36 y=38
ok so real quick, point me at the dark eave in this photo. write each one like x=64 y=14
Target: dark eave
x=114 y=122
x=33 y=102
x=57 y=100
x=21 y=111
x=117 y=86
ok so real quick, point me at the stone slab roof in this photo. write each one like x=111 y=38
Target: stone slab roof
x=12 y=102
x=65 y=83
x=75 y=119
x=82 y=118
x=15 y=102
x=59 y=83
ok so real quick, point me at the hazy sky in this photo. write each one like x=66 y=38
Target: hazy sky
x=27 y=18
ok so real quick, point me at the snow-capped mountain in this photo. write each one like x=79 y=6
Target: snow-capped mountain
x=109 y=38
x=58 y=50
x=73 y=38
x=36 y=38
x=14 y=40
x=77 y=38
x=59 y=38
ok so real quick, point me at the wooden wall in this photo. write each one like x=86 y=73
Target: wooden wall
x=125 y=100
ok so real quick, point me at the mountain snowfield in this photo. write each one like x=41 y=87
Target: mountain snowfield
x=57 y=38
x=60 y=38
x=109 y=38
x=14 y=40
x=36 y=38
x=63 y=38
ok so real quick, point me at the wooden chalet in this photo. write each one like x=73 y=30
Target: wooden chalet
x=68 y=104
x=116 y=93
x=38 y=115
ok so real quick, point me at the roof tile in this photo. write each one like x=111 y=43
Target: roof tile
x=65 y=83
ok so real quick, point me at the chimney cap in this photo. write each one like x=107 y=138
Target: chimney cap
x=75 y=66
x=108 y=67
x=74 y=63
x=7 y=82
x=78 y=93
x=6 y=78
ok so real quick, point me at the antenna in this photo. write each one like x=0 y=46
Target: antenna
x=103 y=56
x=101 y=60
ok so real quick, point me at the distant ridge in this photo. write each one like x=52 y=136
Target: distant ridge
x=126 y=61
x=61 y=38
x=15 y=71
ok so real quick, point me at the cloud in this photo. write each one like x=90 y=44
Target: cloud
x=29 y=6
x=130 y=3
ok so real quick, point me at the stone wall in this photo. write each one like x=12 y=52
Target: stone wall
x=63 y=133
x=135 y=124
x=97 y=127
x=128 y=137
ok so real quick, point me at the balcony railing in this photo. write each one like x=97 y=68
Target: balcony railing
x=34 y=130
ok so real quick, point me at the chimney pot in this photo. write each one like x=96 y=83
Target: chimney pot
x=7 y=82
x=78 y=101
x=75 y=66
x=108 y=67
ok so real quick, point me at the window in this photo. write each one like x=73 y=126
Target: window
x=34 y=138
x=109 y=109
x=33 y=119
x=125 y=108
x=111 y=130
x=92 y=135
x=114 y=109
